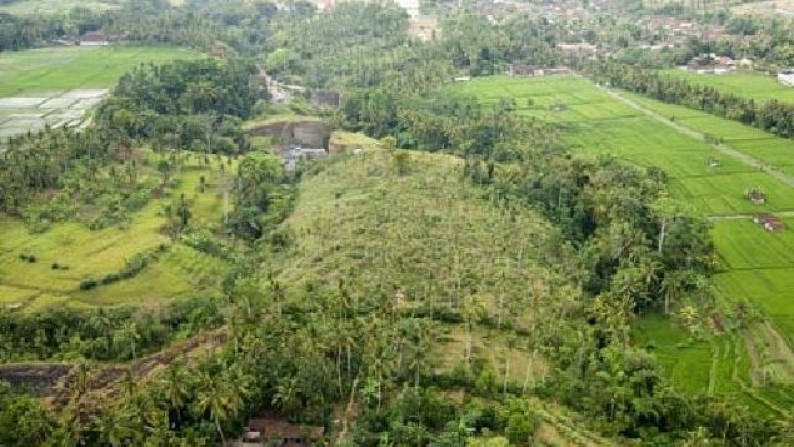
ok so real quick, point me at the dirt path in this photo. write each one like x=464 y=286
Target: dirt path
x=106 y=380
x=722 y=148
x=747 y=216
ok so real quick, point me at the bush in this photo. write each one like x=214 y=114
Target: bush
x=110 y=278
x=88 y=284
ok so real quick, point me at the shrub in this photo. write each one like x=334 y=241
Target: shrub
x=88 y=284
x=110 y=278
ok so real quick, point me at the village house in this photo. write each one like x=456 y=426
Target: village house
x=745 y=63
x=425 y=28
x=786 y=77
x=534 y=70
x=273 y=431
x=296 y=153
x=93 y=39
x=524 y=70
x=578 y=49
x=769 y=222
x=711 y=64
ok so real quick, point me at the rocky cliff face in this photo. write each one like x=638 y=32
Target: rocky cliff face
x=307 y=133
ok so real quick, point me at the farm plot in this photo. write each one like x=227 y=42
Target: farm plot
x=58 y=86
x=719 y=195
x=38 y=270
x=747 y=84
x=595 y=123
x=33 y=7
x=758 y=264
x=33 y=113
x=772 y=151
x=54 y=70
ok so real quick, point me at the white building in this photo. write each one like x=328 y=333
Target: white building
x=786 y=78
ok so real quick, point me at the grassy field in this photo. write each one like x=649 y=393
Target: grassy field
x=31 y=7
x=758 y=266
x=94 y=253
x=747 y=84
x=50 y=70
x=594 y=123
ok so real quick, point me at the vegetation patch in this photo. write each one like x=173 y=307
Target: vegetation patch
x=49 y=70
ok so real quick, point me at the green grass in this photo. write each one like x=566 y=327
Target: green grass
x=716 y=364
x=96 y=253
x=47 y=7
x=747 y=84
x=686 y=362
x=760 y=266
x=50 y=70
x=772 y=151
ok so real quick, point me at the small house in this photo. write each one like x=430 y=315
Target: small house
x=581 y=49
x=273 y=431
x=93 y=39
x=296 y=153
x=524 y=70
x=770 y=222
x=757 y=197
x=786 y=77
x=559 y=71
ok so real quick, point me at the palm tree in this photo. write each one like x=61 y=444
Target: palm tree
x=175 y=385
x=220 y=397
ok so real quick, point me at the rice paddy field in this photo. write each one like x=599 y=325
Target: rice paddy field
x=84 y=253
x=747 y=84
x=757 y=267
x=59 y=86
x=56 y=69
x=31 y=7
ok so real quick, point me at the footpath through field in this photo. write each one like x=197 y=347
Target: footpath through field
x=721 y=147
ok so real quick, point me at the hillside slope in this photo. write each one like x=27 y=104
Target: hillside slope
x=406 y=226
x=404 y=230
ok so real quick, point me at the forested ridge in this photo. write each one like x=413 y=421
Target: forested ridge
x=455 y=280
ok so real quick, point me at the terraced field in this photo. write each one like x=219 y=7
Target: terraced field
x=82 y=253
x=757 y=266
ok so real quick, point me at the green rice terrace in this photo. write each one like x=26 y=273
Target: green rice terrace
x=746 y=84
x=70 y=264
x=32 y=7
x=59 y=86
x=711 y=164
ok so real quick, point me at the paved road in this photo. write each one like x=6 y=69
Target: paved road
x=722 y=148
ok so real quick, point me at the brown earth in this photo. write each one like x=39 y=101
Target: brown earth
x=57 y=382
x=309 y=133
